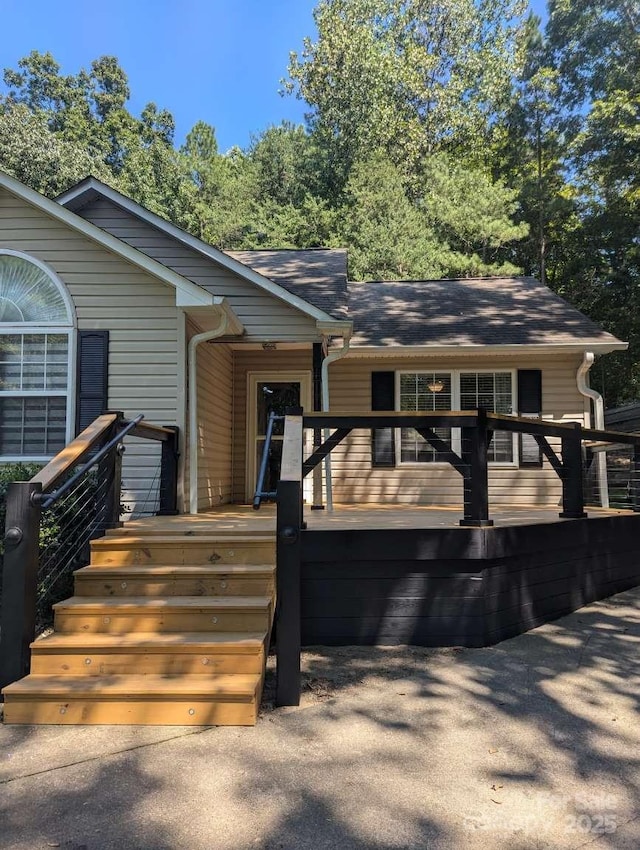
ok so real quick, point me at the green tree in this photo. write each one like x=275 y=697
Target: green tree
x=595 y=47
x=406 y=76
x=43 y=160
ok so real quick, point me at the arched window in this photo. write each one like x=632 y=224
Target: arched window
x=36 y=326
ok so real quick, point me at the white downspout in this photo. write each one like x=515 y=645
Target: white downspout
x=194 y=342
x=598 y=409
x=328 y=360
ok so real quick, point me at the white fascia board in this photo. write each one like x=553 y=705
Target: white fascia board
x=399 y=351
x=220 y=305
x=336 y=328
x=187 y=293
x=91 y=184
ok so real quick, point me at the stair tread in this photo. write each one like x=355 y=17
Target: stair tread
x=200 y=539
x=133 y=530
x=171 y=602
x=149 y=685
x=246 y=570
x=210 y=641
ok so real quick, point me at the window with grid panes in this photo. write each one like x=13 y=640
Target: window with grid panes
x=35 y=332
x=423 y=391
x=492 y=391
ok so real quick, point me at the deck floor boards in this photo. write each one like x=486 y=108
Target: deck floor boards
x=242 y=518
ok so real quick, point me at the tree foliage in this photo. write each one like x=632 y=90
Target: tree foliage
x=442 y=139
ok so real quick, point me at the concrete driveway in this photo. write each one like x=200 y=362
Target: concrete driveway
x=534 y=743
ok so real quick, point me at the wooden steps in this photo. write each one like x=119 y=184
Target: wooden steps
x=136 y=699
x=164 y=629
x=169 y=614
x=245 y=580
x=169 y=653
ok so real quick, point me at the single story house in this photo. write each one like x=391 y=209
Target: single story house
x=105 y=305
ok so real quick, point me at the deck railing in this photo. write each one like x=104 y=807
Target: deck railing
x=51 y=519
x=477 y=429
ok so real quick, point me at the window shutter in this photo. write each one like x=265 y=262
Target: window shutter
x=529 y=405
x=383 y=397
x=91 y=377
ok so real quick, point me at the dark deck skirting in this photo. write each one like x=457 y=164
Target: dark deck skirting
x=459 y=586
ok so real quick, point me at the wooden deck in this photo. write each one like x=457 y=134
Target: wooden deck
x=243 y=519
x=387 y=574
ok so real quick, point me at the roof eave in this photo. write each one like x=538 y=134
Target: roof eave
x=577 y=347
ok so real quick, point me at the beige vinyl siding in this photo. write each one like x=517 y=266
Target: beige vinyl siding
x=138 y=311
x=264 y=316
x=215 y=423
x=255 y=361
x=354 y=480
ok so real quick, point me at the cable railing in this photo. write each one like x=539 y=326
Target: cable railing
x=52 y=519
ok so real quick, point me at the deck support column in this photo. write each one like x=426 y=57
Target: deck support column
x=169 y=473
x=19 y=580
x=475 y=445
x=572 y=475
x=634 y=483
x=289 y=530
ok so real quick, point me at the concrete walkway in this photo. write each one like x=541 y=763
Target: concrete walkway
x=531 y=744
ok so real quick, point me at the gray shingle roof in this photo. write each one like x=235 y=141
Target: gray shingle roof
x=475 y=311
x=319 y=275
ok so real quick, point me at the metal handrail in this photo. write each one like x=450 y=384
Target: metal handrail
x=261 y=494
x=48 y=499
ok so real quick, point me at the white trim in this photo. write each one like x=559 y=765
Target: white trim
x=91 y=184
x=253 y=379
x=402 y=351
x=456 y=436
x=187 y=293
x=69 y=329
x=55 y=279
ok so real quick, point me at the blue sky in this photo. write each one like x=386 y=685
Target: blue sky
x=216 y=60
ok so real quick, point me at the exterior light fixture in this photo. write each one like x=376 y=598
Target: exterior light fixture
x=435 y=386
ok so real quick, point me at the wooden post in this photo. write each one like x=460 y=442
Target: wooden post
x=110 y=470
x=572 y=475
x=169 y=473
x=475 y=443
x=635 y=479
x=288 y=559
x=19 y=580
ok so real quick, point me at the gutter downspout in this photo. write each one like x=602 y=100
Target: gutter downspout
x=194 y=342
x=582 y=380
x=328 y=360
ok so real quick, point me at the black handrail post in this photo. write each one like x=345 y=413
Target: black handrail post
x=19 y=580
x=110 y=470
x=634 y=482
x=288 y=558
x=572 y=475
x=264 y=460
x=475 y=445
x=169 y=472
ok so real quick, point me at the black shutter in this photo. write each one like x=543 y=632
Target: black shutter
x=383 y=397
x=91 y=377
x=529 y=404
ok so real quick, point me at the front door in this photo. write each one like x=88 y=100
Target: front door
x=269 y=392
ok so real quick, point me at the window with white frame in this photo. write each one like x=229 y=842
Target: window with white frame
x=423 y=391
x=35 y=349
x=492 y=391
x=432 y=391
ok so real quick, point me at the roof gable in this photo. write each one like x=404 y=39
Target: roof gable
x=90 y=189
x=187 y=293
